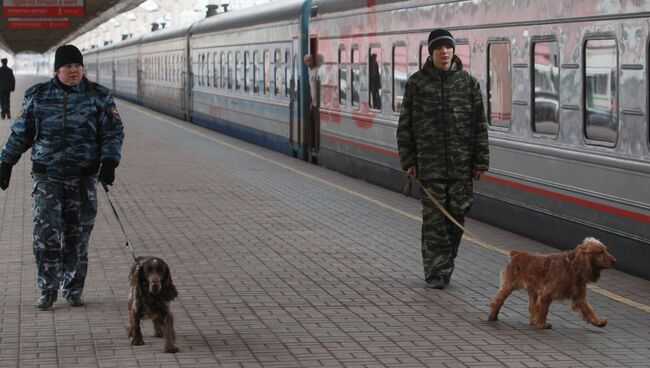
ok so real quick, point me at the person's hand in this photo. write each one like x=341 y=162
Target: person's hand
x=107 y=172
x=5 y=174
x=411 y=171
x=478 y=174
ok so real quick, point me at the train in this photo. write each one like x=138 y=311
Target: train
x=565 y=85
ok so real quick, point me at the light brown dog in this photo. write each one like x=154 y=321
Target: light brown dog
x=554 y=276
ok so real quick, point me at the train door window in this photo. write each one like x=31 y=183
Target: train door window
x=237 y=71
x=374 y=78
x=287 y=74
x=356 y=75
x=247 y=72
x=462 y=51
x=231 y=67
x=215 y=68
x=277 y=70
x=208 y=70
x=343 y=77
x=546 y=87
x=499 y=85
x=424 y=54
x=256 y=72
x=601 y=88
x=267 y=72
x=400 y=74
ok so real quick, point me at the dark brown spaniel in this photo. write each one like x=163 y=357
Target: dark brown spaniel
x=554 y=276
x=151 y=291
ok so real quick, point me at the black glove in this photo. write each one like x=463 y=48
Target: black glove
x=107 y=172
x=5 y=174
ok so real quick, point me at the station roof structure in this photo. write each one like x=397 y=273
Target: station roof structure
x=41 y=29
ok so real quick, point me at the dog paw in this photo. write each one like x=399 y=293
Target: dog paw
x=543 y=326
x=136 y=342
x=171 y=349
x=599 y=322
x=493 y=317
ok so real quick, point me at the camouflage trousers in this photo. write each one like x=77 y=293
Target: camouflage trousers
x=440 y=236
x=64 y=215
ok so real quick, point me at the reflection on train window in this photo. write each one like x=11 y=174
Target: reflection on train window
x=462 y=51
x=238 y=73
x=546 y=91
x=231 y=66
x=374 y=78
x=399 y=76
x=343 y=77
x=287 y=75
x=247 y=72
x=424 y=55
x=600 y=81
x=256 y=72
x=499 y=86
x=277 y=68
x=222 y=75
x=356 y=74
x=267 y=71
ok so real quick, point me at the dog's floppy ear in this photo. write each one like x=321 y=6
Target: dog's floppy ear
x=168 y=291
x=583 y=262
x=143 y=283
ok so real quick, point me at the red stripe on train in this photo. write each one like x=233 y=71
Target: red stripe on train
x=563 y=197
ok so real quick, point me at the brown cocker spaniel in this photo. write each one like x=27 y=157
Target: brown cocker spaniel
x=151 y=291
x=554 y=276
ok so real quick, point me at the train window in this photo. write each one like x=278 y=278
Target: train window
x=400 y=74
x=374 y=78
x=203 y=69
x=237 y=71
x=267 y=73
x=499 y=86
x=424 y=54
x=215 y=69
x=343 y=77
x=601 y=84
x=546 y=91
x=231 y=66
x=247 y=72
x=462 y=51
x=277 y=68
x=256 y=72
x=208 y=70
x=287 y=73
x=356 y=75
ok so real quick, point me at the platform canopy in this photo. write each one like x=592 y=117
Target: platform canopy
x=42 y=25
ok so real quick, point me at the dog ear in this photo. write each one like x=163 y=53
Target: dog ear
x=169 y=291
x=142 y=279
x=583 y=262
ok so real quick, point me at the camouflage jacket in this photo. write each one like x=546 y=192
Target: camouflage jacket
x=70 y=132
x=442 y=128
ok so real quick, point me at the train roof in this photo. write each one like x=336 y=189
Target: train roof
x=263 y=14
x=336 y=6
x=165 y=34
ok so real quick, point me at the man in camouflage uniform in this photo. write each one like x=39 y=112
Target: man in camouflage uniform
x=443 y=141
x=74 y=131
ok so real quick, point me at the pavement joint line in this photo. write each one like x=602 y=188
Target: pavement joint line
x=166 y=119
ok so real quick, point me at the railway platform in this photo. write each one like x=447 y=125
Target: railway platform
x=280 y=263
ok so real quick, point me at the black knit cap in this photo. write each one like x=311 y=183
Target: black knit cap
x=439 y=37
x=67 y=54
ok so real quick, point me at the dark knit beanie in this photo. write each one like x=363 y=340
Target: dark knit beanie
x=67 y=54
x=439 y=37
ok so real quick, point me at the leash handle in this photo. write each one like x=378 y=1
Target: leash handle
x=119 y=221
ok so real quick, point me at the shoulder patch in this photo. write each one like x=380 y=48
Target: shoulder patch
x=112 y=111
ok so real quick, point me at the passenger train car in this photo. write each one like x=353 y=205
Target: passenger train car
x=565 y=88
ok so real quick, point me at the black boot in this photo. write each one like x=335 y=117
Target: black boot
x=46 y=300
x=76 y=300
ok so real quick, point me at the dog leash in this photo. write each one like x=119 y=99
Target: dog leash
x=127 y=244
x=466 y=233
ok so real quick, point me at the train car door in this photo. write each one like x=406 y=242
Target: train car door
x=186 y=82
x=312 y=125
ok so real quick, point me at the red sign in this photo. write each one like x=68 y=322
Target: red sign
x=43 y=8
x=37 y=23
